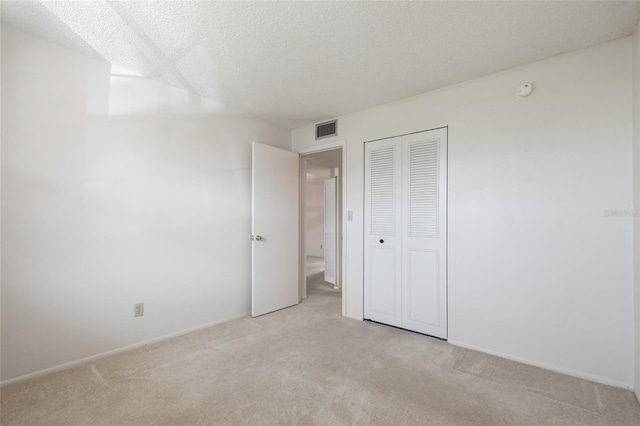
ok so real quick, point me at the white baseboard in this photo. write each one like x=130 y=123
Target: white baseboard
x=578 y=374
x=117 y=351
x=358 y=318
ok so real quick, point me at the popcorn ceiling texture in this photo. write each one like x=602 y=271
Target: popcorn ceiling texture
x=295 y=63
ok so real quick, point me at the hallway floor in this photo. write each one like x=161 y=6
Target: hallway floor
x=316 y=285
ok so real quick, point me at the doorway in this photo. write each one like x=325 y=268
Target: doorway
x=321 y=236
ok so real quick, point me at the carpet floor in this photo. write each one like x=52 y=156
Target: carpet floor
x=309 y=365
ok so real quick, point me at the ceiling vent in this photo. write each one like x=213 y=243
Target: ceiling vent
x=327 y=129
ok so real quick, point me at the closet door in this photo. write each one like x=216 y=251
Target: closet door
x=424 y=232
x=382 y=233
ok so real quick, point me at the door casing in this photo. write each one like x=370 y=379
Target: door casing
x=343 y=218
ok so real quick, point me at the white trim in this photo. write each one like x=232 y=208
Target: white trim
x=302 y=244
x=325 y=147
x=123 y=349
x=357 y=318
x=343 y=231
x=565 y=371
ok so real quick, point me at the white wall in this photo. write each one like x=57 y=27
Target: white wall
x=536 y=271
x=636 y=200
x=314 y=208
x=314 y=223
x=115 y=190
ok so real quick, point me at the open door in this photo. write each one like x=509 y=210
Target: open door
x=330 y=231
x=274 y=228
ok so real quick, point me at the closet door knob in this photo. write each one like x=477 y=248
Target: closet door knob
x=381 y=241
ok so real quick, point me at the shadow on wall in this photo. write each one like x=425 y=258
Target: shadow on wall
x=116 y=190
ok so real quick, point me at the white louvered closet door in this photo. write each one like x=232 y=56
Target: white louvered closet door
x=424 y=232
x=405 y=271
x=382 y=272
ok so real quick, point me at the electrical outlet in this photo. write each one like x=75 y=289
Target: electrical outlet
x=138 y=309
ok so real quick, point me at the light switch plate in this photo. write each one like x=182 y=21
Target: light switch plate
x=138 y=309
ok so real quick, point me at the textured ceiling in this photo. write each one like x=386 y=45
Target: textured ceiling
x=300 y=62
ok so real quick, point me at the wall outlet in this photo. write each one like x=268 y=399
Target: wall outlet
x=138 y=309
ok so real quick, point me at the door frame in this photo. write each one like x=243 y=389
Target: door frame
x=342 y=258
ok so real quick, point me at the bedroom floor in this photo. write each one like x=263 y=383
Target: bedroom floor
x=309 y=365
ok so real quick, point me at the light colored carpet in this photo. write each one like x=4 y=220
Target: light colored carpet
x=317 y=286
x=309 y=365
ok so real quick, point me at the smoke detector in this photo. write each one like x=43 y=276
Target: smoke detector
x=524 y=90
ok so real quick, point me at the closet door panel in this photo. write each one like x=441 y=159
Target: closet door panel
x=382 y=283
x=424 y=232
x=382 y=271
x=423 y=286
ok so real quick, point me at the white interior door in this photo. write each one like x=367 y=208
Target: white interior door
x=275 y=192
x=382 y=221
x=330 y=231
x=424 y=232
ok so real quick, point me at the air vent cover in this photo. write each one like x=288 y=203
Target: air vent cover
x=327 y=129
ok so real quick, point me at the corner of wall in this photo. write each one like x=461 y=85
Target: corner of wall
x=181 y=155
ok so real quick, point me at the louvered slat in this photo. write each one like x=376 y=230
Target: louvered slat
x=423 y=190
x=383 y=191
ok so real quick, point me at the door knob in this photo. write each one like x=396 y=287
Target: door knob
x=258 y=237
x=381 y=241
